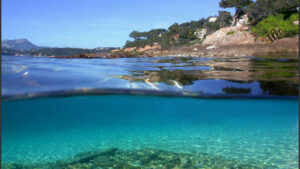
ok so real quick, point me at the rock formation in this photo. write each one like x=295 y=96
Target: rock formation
x=230 y=36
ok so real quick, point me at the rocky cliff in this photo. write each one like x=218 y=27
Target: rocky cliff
x=230 y=36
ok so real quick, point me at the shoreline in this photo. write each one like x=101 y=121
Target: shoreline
x=286 y=46
x=283 y=46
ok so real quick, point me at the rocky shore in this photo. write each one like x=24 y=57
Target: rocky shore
x=213 y=48
x=107 y=55
x=283 y=46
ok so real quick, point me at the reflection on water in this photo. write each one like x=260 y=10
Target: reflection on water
x=270 y=75
x=129 y=131
x=235 y=90
x=238 y=68
x=275 y=76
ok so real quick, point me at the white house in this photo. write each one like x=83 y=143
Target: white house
x=212 y=19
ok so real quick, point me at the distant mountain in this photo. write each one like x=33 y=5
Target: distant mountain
x=53 y=51
x=19 y=44
x=23 y=47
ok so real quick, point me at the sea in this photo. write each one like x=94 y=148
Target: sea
x=154 y=112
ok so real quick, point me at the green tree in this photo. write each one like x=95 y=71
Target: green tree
x=134 y=35
x=261 y=9
x=224 y=18
x=166 y=41
x=174 y=29
x=154 y=35
x=212 y=26
x=239 y=6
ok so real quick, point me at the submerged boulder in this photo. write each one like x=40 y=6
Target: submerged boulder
x=88 y=156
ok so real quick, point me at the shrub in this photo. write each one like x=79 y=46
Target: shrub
x=230 y=33
x=275 y=27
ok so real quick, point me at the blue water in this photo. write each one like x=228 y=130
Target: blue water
x=196 y=76
x=114 y=103
x=263 y=132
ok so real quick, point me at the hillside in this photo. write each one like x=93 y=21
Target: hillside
x=55 y=52
x=253 y=23
x=23 y=47
x=19 y=44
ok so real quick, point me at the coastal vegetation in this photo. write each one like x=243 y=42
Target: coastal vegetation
x=276 y=27
x=178 y=34
x=230 y=33
x=267 y=19
x=252 y=21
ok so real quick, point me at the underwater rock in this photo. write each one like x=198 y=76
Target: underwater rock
x=141 y=159
x=86 y=157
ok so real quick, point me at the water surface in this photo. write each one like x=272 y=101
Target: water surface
x=238 y=112
x=249 y=76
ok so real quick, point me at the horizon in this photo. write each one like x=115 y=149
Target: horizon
x=95 y=24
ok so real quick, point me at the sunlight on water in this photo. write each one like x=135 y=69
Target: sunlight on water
x=199 y=133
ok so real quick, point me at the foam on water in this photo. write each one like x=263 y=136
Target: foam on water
x=261 y=131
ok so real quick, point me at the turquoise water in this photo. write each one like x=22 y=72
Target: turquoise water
x=260 y=132
x=243 y=113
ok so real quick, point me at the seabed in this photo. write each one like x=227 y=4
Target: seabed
x=140 y=159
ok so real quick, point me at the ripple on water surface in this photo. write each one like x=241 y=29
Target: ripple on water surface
x=123 y=131
x=264 y=76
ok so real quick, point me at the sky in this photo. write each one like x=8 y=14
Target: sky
x=95 y=23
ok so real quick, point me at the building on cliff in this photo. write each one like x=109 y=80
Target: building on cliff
x=212 y=19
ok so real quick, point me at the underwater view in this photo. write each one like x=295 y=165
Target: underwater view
x=150 y=84
x=159 y=112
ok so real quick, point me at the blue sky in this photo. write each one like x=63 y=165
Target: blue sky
x=95 y=23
